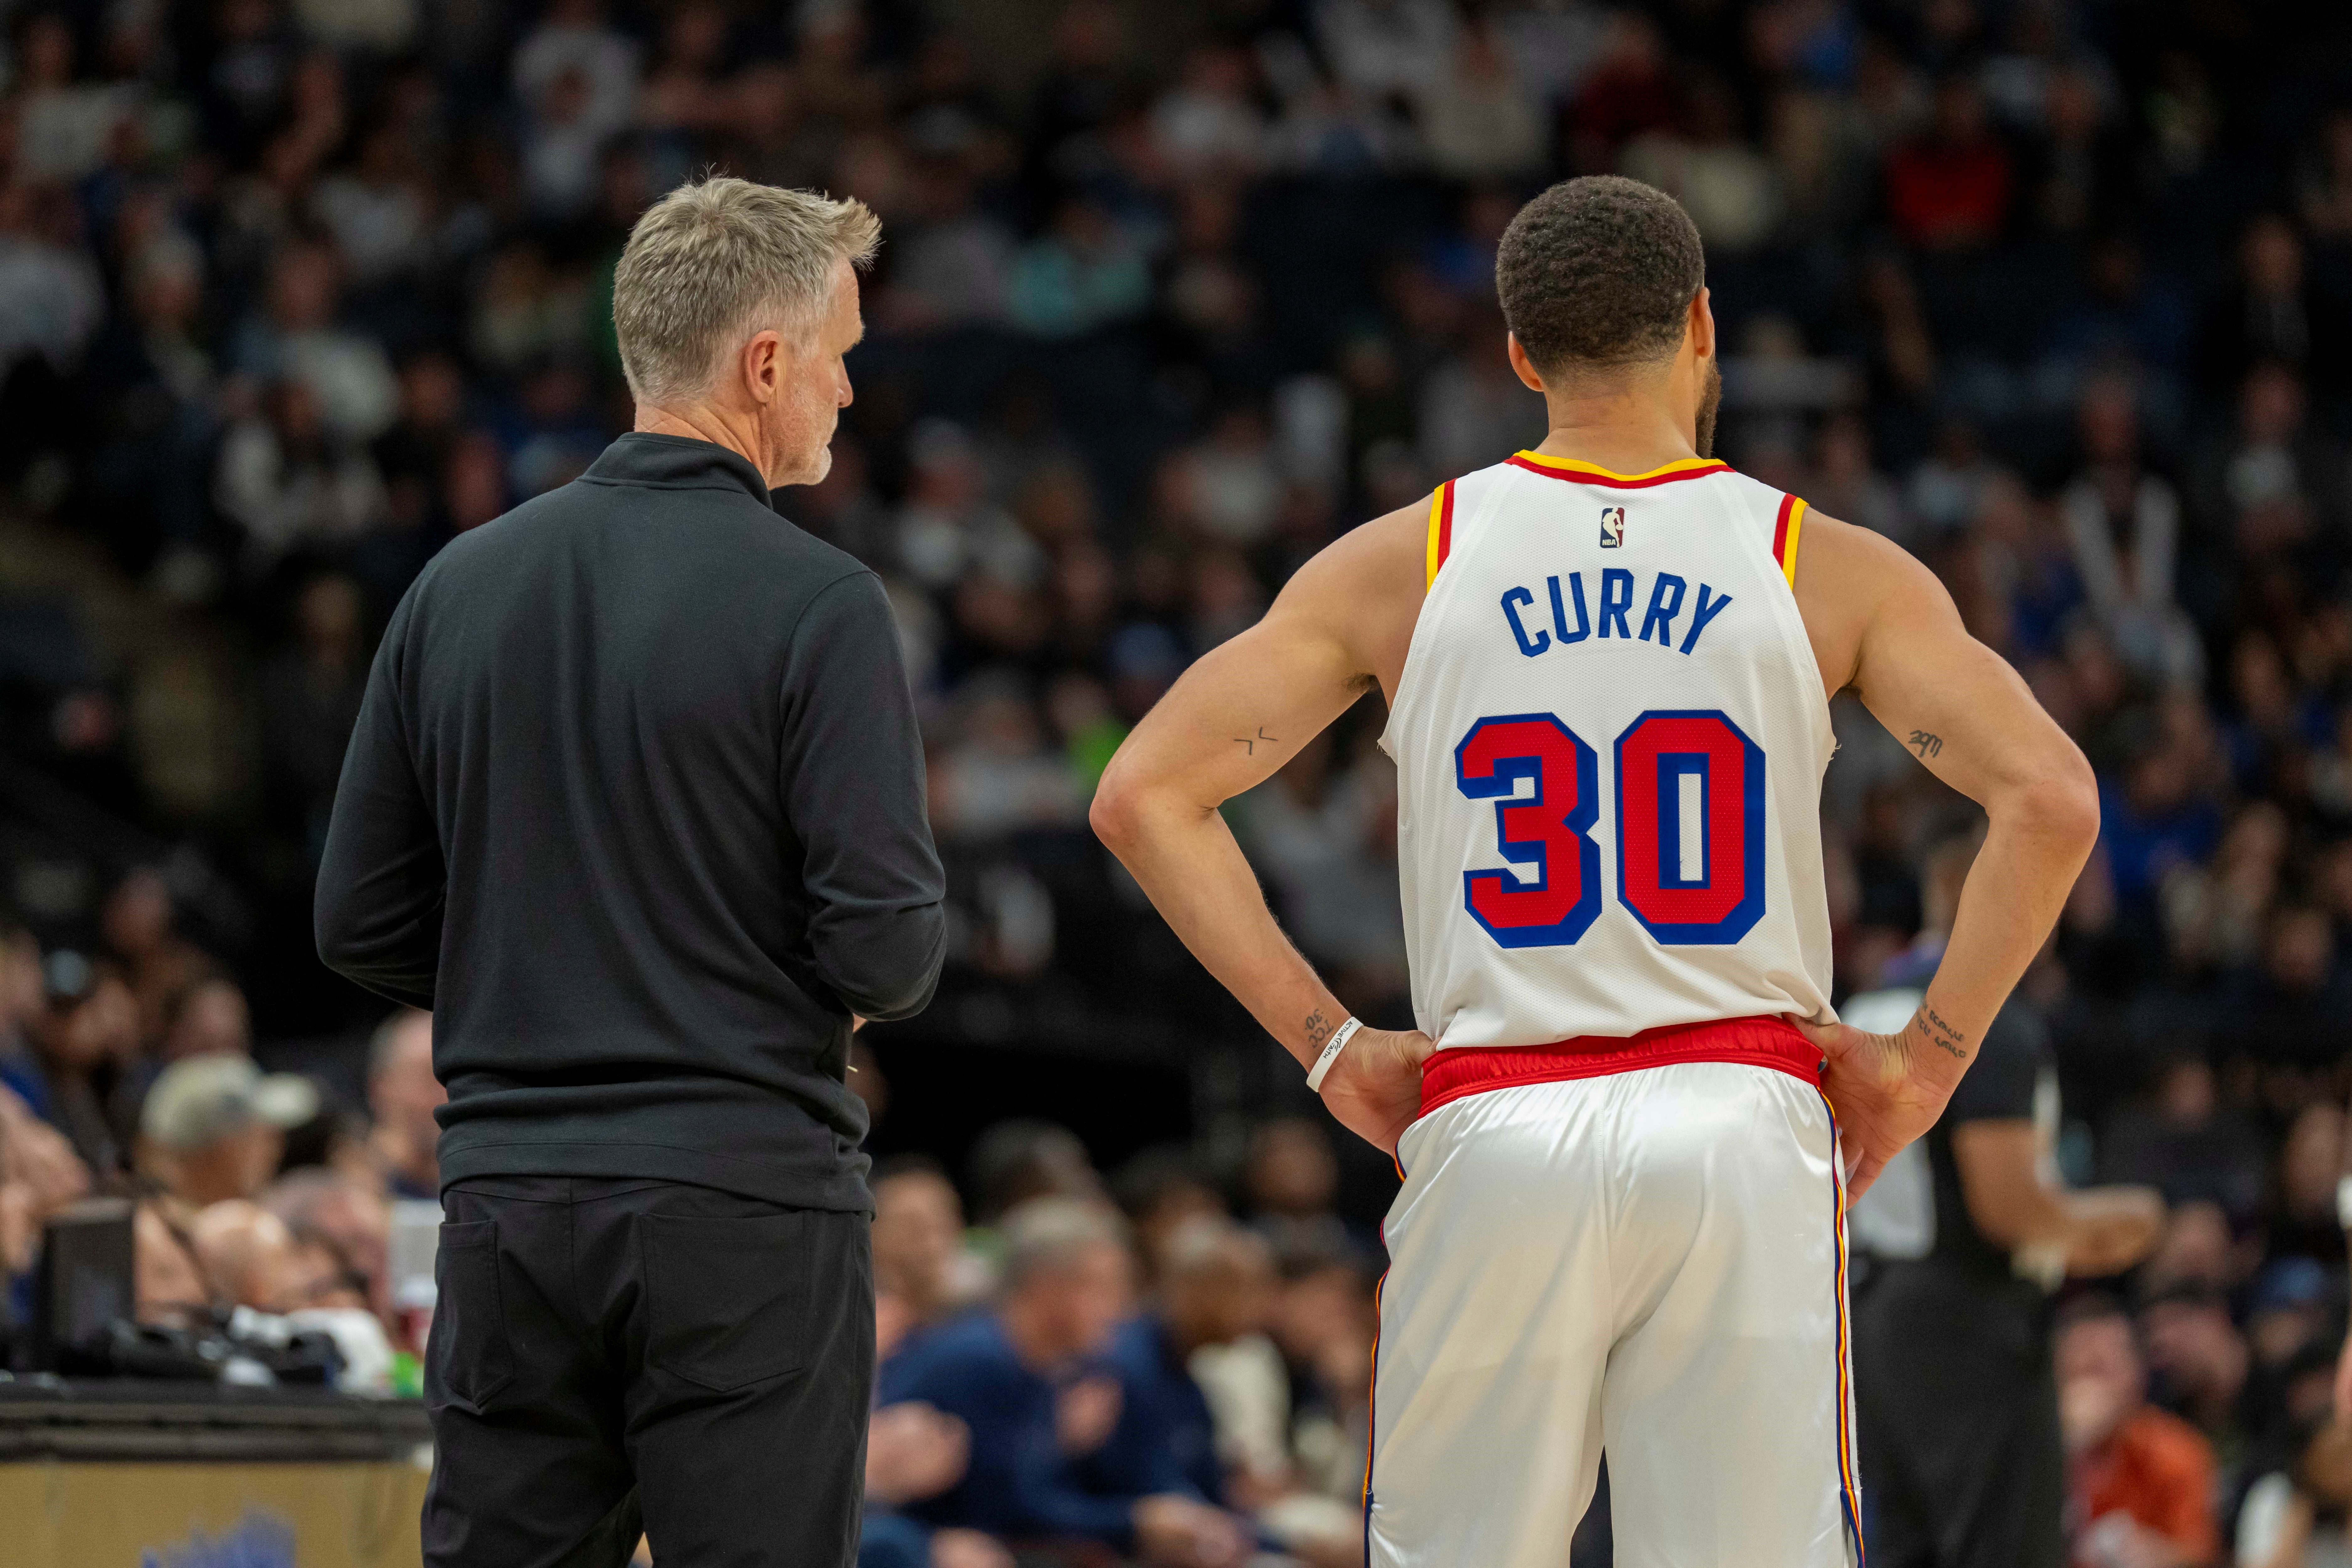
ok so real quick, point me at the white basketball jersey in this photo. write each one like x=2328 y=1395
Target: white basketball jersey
x=1610 y=735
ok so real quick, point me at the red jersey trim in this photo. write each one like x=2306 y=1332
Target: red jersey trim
x=1441 y=530
x=1786 y=528
x=1765 y=1042
x=1586 y=474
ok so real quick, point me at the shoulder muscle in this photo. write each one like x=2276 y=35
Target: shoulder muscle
x=1847 y=578
x=1363 y=591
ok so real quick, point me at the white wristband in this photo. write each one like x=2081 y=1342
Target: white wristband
x=1332 y=1048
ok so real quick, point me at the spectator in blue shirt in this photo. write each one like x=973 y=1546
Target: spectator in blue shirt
x=1217 y=1283
x=1018 y=1377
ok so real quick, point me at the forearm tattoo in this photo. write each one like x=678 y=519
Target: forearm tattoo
x=1939 y=1034
x=1927 y=745
x=1318 y=1029
x=1251 y=741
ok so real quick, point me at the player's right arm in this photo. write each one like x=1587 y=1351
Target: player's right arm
x=1337 y=629
x=1882 y=624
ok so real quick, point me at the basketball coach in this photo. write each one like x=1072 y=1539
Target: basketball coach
x=635 y=807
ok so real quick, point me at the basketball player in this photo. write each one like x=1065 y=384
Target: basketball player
x=1607 y=663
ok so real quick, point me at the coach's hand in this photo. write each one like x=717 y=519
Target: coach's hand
x=1881 y=1092
x=1374 y=1089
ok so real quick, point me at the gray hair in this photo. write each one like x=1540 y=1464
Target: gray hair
x=715 y=262
x=1210 y=1243
x=1046 y=1233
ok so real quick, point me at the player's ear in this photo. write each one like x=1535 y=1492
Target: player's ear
x=1521 y=366
x=1700 y=328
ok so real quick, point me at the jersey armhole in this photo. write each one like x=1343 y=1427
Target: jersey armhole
x=1441 y=533
x=1786 y=526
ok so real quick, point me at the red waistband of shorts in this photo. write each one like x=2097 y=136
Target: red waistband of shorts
x=1765 y=1042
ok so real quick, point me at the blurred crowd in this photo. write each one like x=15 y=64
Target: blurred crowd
x=1167 y=1366
x=259 y=1198
x=2056 y=293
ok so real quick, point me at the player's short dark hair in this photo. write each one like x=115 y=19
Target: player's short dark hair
x=1599 y=272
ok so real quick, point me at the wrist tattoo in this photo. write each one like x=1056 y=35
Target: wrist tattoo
x=1318 y=1029
x=1939 y=1034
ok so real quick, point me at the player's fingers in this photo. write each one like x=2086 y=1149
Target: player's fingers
x=1859 y=1183
x=1829 y=1037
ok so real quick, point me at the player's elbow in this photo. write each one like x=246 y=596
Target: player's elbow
x=2061 y=805
x=1117 y=815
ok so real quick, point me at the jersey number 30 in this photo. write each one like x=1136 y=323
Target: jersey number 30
x=1689 y=817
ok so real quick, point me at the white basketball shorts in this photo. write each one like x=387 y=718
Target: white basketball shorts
x=1650 y=1262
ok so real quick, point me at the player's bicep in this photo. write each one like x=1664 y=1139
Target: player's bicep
x=1241 y=712
x=1248 y=705
x=1953 y=702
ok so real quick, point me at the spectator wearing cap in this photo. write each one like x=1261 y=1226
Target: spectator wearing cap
x=2288 y=1310
x=1026 y=1379
x=212 y=1127
x=402 y=1094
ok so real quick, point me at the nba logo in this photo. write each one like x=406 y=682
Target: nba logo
x=1613 y=527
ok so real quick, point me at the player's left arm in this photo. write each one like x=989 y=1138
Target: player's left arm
x=1884 y=626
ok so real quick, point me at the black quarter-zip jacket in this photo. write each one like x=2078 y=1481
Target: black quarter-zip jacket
x=635 y=805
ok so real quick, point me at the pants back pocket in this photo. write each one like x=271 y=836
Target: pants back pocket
x=468 y=1360
x=728 y=1300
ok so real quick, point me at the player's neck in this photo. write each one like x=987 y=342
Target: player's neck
x=1624 y=433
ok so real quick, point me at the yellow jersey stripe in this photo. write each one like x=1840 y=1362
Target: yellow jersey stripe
x=1788 y=549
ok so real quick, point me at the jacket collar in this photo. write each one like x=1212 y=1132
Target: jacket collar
x=675 y=463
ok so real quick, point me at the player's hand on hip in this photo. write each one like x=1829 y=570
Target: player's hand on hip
x=1374 y=1087
x=1879 y=1093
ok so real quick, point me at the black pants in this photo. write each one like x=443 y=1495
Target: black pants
x=1962 y=1464
x=612 y=1356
